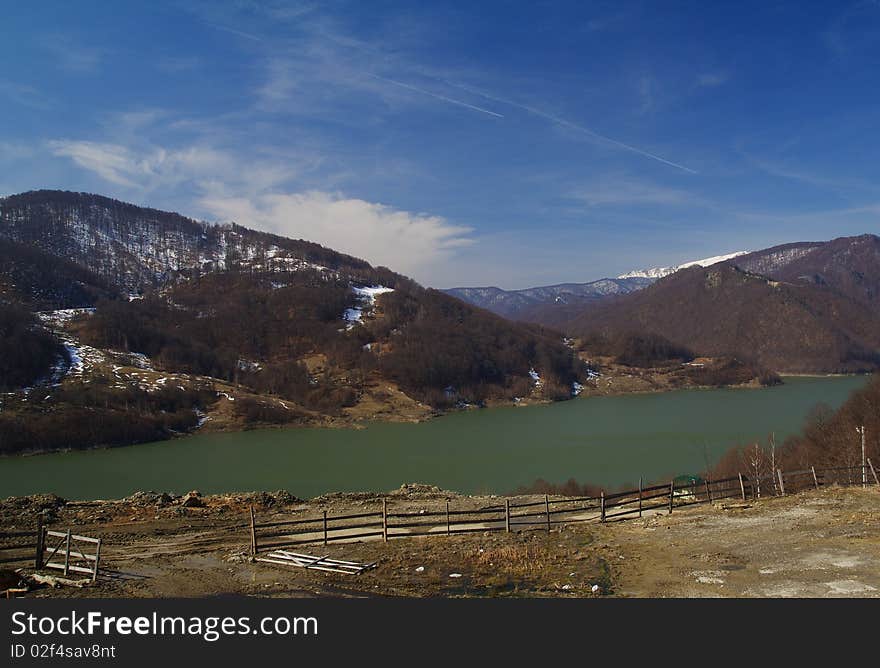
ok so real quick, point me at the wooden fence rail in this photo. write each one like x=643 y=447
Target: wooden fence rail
x=75 y=555
x=72 y=555
x=543 y=513
x=22 y=546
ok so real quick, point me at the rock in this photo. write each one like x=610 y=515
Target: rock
x=455 y=575
x=28 y=506
x=595 y=589
x=417 y=488
x=282 y=496
x=421 y=569
x=192 y=500
x=149 y=498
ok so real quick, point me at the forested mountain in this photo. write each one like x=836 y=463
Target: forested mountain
x=134 y=248
x=558 y=303
x=178 y=322
x=519 y=304
x=848 y=266
x=42 y=281
x=806 y=307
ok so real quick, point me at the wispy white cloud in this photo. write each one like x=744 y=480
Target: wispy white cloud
x=24 y=94
x=150 y=169
x=856 y=28
x=238 y=33
x=413 y=243
x=111 y=162
x=318 y=66
x=15 y=150
x=178 y=64
x=71 y=55
x=711 y=79
x=838 y=184
x=627 y=191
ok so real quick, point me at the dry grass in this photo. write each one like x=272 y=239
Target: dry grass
x=520 y=559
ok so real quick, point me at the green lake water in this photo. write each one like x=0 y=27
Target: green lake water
x=608 y=441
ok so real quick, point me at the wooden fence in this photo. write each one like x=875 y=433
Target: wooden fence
x=72 y=549
x=19 y=547
x=510 y=514
x=69 y=554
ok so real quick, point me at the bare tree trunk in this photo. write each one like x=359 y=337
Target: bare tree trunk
x=773 y=462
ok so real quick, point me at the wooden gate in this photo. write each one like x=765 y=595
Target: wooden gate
x=71 y=552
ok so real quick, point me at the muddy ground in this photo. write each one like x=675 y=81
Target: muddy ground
x=816 y=544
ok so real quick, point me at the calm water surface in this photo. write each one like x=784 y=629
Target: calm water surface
x=608 y=441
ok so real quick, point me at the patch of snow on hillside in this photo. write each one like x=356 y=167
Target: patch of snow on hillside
x=202 y=418
x=535 y=377
x=62 y=316
x=79 y=357
x=366 y=297
x=248 y=365
x=370 y=292
x=140 y=361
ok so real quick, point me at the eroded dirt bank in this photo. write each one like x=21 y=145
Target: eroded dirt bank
x=816 y=544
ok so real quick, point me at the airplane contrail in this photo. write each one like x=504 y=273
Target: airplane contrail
x=435 y=95
x=573 y=126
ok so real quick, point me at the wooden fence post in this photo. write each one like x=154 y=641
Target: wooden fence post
x=640 y=496
x=708 y=491
x=38 y=557
x=742 y=486
x=507 y=515
x=547 y=510
x=325 y=527
x=384 y=520
x=671 y=491
x=253 y=533
x=864 y=465
x=602 y=506
x=448 y=530
x=874 y=473
x=97 y=560
x=781 y=483
x=815 y=477
x=67 y=555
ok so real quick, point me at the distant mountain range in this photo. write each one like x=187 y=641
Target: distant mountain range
x=801 y=307
x=519 y=304
x=528 y=303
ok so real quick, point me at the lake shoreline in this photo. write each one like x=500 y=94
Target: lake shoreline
x=358 y=423
x=607 y=441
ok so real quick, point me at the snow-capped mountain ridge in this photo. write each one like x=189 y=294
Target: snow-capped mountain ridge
x=660 y=272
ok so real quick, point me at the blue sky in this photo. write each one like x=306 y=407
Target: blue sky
x=461 y=143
